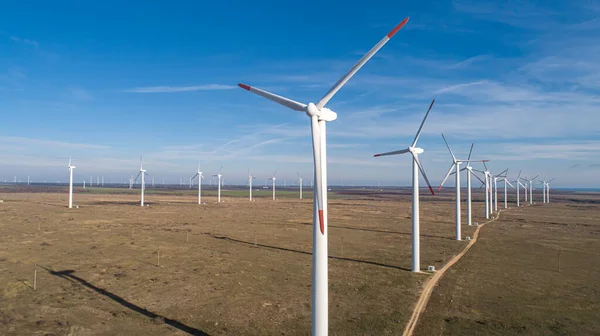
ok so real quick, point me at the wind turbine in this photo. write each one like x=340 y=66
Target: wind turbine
x=530 y=182
x=219 y=185
x=416 y=166
x=273 y=178
x=548 y=191
x=143 y=185
x=486 y=174
x=470 y=172
x=319 y=116
x=300 y=184
x=505 y=171
x=250 y=178
x=70 y=183
x=200 y=177
x=506 y=184
x=456 y=165
x=518 y=183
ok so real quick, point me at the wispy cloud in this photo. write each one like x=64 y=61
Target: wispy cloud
x=33 y=43
x=166 y=89
x=7 y=140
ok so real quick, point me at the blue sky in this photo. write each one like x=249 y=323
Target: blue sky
x=107 y=82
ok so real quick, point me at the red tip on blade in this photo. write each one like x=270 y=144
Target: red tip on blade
x=431 y=189
x=485 y=160
x=244 y=86
x=440 y=188
x=321 y=223
x=432 y=102
x=397 y=28
x=376 y=155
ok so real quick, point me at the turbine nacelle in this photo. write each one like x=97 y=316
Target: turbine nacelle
x=323 y=114
x=416 y=150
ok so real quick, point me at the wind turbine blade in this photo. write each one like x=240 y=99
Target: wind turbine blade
x=393 y=153
x=470 y=151
x=335 y=88
x=69 y=161
x=138 y=175
x=416 y=158
x=275 y=173
x=447 y=175
x=289 y=103
x=479 y=178
x=535 y=177
x=509 y=184
x=422 y=122
x=193 y=177
x=519 y=176
x=453 y=157
x=486 y=167
x=221 y=169
x=550 y=181
x=503 y=172
x=318 y=186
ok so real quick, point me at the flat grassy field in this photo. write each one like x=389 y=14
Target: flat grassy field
x=244 y=268
x=535 y=271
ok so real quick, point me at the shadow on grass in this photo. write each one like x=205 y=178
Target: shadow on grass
x=375 y=230
x=309 y=253
x=68 y=275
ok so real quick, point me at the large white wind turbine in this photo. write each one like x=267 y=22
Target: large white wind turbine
x=273 y=178
x=200 y=177
x=319 y=116
x=218 y=175
x=143 y=185
x=300 y=184
x=250 y=178
x=70 y=183
x=416 y=166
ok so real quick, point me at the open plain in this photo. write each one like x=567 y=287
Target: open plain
x=244 y=268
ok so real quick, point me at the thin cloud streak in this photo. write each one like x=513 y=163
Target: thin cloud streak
x=168 y=89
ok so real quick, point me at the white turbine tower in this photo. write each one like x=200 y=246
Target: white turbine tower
x=416 y=166
x=218 y=175
x=506 y=184
x=250 y=178
x=300 y=184
x=518 y=184
x=143 y=183
x=470 y=172
x=70 y=183
x=486 y=174
x=200 y=177
x=273 y=178
x=456 y=166
x=548 y=191
x=319 y=116
x=496 y=187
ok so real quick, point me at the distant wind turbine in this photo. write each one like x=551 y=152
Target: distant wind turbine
x=143 y=185
x=70 y=183
x=300 y=184
x=273 y=178
x=200 y=177
x=218 y=175
x=250 y=178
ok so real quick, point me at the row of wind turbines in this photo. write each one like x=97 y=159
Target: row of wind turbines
x=319 y=115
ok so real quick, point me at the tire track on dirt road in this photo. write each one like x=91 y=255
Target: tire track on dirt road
x=433 y=281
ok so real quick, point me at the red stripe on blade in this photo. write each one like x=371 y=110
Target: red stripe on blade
x=321 y=223
x=376 y=155
x=431 y=189
x=244 y=86
x=398 y=27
